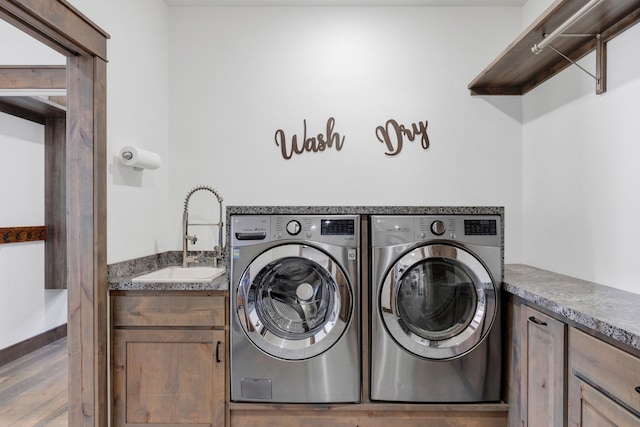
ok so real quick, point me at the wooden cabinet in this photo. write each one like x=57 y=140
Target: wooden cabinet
x=604 y=383
x=543 y=371
x=169 y=359
x=558 y=375
x=369 y=414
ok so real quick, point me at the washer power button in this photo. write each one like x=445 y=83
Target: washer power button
x=438 y=228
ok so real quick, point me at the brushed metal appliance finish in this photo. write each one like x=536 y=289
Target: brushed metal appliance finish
x=417 y=273
x=295 y=308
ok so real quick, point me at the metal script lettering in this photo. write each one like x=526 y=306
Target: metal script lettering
x=320 y=142
x=392 y=135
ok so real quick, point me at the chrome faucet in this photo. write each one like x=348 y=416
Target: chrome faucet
x=217 y=250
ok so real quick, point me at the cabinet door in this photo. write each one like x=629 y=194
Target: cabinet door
x=603 y=383
x=543 y=384
x=168 y=377
x=597 y=410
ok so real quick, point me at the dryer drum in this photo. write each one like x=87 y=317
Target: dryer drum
x=434 y=306
x=436 y=300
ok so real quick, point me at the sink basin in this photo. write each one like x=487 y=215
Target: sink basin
x=180 y=274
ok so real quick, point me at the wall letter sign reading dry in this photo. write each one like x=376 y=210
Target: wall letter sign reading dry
x=392 y=135
x=316 y=143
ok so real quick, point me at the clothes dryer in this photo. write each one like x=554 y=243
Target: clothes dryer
x=435 y=324
x=295 y=307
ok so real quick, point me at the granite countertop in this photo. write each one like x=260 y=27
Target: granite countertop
x=220 y=283
x=120 y=274
x=364 y=210
x=612 y=312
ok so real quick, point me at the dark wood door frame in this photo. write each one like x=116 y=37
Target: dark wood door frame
x=60 y=26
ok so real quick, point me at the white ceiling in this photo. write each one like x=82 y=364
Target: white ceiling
x=345 y=2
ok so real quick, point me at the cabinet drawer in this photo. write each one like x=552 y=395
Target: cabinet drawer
x=168 y=310
x=610 y=369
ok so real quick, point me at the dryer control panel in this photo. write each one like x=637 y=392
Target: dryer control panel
x=485 y=230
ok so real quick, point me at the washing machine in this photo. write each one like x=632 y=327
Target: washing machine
x=295 y=308
x=435 y=322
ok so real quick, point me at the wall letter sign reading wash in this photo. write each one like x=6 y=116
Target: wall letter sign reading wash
x=392 y=135
x=313 y=143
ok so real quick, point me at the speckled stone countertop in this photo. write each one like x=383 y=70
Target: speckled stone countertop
x=220 y=283
x=120 y=275
x=364 y=210
x=612 y=312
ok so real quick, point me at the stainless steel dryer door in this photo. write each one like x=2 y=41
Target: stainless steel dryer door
x=438 y=301
x=294 y=301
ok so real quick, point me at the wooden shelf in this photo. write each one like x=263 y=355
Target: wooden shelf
x=25 y=78
x=517 y=70
x=34 y=108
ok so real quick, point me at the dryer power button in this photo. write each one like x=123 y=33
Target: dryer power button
x=293 y=227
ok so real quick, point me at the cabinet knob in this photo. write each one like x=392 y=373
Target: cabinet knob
x=537 y=322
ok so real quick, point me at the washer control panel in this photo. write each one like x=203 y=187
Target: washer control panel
x=341 y=230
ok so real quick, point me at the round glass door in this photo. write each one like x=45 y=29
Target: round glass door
x=294 y=301
x=438 y=301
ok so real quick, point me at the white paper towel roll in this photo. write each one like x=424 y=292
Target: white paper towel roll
x=139 y=159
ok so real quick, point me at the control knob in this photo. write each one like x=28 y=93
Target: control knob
x=293 y=227
x=438 y=228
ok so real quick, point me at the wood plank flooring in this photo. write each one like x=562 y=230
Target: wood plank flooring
x=33 y=388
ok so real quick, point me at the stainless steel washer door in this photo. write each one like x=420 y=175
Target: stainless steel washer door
x=294 y=301
x=438 y=301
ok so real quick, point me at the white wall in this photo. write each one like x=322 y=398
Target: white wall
x=137 y=96
x=26 y=308
x=17 y=48
x=532 y=10
x=239 y=74
x=581 y=181
x=137 y=114
x=229 y=94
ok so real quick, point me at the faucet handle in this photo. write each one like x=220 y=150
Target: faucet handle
x=191 y=259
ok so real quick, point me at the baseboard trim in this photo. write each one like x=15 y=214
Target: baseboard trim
x=22 y=348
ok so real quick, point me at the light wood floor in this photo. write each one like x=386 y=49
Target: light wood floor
x=33 y=389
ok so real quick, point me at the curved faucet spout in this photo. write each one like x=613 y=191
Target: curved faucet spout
x=217 y=250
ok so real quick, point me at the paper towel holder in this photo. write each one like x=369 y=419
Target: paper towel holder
x=139 y=159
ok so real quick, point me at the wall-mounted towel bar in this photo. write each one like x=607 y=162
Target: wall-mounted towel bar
x=22 y=234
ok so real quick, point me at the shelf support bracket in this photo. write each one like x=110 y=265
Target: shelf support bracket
x=601 y=65
x=601 y=61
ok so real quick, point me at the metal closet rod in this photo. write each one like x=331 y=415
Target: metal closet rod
x=537 y=48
